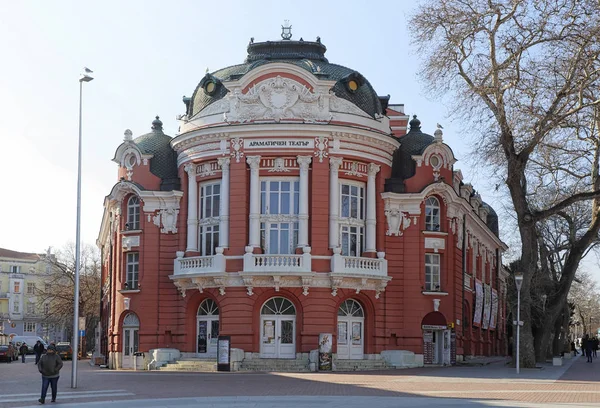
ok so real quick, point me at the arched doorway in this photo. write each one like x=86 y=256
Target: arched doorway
x=278 y=329
x=131 y=327
x=207 y=329
x=351 y=319
x=436 y=339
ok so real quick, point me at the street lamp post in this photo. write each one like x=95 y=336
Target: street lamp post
x=518 y=284
x=84 y=77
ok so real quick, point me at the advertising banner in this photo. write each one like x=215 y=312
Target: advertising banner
x=478 y=303
x=494 y=315
x=487 y=306
x=325 y=348
x=223 y=353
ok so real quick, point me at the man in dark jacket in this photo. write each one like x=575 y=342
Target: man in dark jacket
x=38 y=349
x=23 y=351
x=49 y=366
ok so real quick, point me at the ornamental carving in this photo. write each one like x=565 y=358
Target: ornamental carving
x=279 y=166
x=397 y=219
x=321 y=146
x=276 y=99
x=167 y=218
x=235 y=146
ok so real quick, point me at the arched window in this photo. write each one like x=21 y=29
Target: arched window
x=131 y=320
x=208 y=308
x=133 y=213
x=432 y=214
x=278 y=306
x=351 y=308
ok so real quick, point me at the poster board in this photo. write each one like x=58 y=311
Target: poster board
x=477 y=311
x=325 y=351
x=223 y=353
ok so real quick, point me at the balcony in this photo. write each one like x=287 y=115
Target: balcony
x=3 y=295
x=352 y=265
x=280 y=263
x=199 y=265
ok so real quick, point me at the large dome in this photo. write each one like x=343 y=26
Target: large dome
x=413 y=143
x=304 y=54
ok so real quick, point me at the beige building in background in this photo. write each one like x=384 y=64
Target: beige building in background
x=21 y=312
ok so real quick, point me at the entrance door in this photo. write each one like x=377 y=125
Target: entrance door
x=130 y=340
x=207 y=329
x=278 y=329
x=350 y=337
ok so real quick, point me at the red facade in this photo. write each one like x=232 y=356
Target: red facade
x=294 y=202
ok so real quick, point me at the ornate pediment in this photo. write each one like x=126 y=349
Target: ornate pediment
x=278 y=98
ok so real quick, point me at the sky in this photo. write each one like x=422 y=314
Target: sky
x=145 y=56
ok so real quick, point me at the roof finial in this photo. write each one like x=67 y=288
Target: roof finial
x=128 y=135
x=415 y=124
x=286 y=30
x=157 y=123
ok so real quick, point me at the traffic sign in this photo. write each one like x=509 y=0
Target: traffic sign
x=81 y=333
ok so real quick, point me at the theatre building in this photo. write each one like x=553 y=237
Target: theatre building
x=294 y=201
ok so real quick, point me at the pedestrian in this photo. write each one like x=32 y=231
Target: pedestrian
x=587 y=345
x=595 y=346
x=49 y=366
x=38 y=349
x=574 y=349
x=23 y=351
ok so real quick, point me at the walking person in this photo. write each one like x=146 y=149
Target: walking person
x=587 y=346
x=595 y=346
x=49 y=366
x=38 y=349
x=574 y=349
x=23 y=351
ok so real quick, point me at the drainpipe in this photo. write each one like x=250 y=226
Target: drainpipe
x=464 y=273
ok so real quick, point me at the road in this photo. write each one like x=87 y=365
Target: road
x=495 y=385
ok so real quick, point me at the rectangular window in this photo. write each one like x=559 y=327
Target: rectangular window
x=432 y=272
x=30 y=288
x=30 y=327
x=17 y=287
x=133 y=267
x=15 y=269
x=16 y=308
x=210 y=202
x=279 y=204
x=352 y=219
x=30 y=308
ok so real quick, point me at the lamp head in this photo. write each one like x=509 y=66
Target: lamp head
x=85 y=75
x=519 y=280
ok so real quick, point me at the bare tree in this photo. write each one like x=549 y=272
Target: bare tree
x=58 y=293
x=585 y=297
x=526 y=72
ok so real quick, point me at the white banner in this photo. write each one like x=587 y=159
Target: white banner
x=487 y=309
x=478 y=303
x=494 y=309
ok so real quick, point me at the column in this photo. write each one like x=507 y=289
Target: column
x=372 y=171
x=334 y=201
x=254 y=233
x=224 y=203
x=192 y=220
x=304 y=163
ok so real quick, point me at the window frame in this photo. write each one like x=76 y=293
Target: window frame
x=27 y=325
x=209 y=225
x=276 y=222
x=430 y=220
x=133 y=213
x=352 y=226
x=433 y=269
x=30 y=288
x=132 y=270
x=17 y=287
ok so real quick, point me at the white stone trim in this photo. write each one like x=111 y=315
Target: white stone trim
x=192 y=219
x=335 y=164
x=254 y=216
x=224 y=203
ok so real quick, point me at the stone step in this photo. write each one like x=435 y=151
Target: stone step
x=275 y=365
x=191 y=365
x=359 y=365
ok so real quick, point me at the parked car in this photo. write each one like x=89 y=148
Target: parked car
x=64 y=350
x=7 y=353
